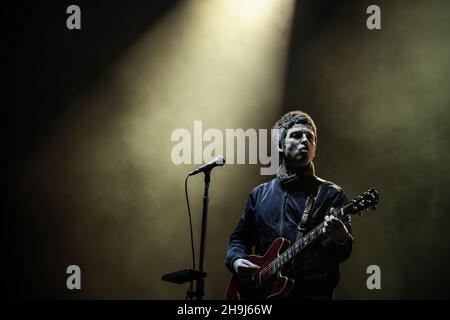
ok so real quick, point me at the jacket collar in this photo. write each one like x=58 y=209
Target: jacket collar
x=305 y=172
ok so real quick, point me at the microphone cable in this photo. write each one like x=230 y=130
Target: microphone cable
x=190 y=225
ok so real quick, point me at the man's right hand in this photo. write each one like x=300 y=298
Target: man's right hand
x=244 y=269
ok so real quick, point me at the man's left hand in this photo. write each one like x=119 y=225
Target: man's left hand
x=335 y=227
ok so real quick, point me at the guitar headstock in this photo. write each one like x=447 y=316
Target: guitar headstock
x=368 y=199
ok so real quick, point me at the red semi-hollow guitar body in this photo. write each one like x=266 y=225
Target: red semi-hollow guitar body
x=266 y=287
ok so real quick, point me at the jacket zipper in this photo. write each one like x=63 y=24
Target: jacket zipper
x=282 y=213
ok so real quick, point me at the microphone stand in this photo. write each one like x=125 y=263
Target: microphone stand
x=190 y=275
x=200 y=284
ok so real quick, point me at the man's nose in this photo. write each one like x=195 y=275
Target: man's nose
x=303 y=138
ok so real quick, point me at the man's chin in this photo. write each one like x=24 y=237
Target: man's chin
x=300 y=163
x=301 y=160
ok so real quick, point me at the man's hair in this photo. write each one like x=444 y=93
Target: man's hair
x=290 y=119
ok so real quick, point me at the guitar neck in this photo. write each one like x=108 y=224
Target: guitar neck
x=278 y=263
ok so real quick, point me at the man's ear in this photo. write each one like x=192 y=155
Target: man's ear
x=280 y=149
x=276 y=134
x=314 y=155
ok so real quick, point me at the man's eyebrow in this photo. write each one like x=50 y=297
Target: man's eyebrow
x=302 y=130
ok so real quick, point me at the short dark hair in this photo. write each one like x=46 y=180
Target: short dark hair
x=290 y=119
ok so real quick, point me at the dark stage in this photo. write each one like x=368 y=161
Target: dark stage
x=103 y=123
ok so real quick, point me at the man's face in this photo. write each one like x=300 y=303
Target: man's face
x=300 y=146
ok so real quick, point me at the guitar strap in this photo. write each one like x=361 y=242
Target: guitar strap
x=302 y=225
x=308 y=207
x=304 y=220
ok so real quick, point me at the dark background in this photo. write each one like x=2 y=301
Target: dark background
x=380 y=100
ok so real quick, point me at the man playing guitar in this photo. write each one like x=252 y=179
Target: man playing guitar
x=289 y=206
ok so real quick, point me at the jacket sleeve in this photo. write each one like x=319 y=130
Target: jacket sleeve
x=338 y=252
x=242 y=239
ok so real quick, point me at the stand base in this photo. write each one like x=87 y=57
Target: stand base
x=183 y=276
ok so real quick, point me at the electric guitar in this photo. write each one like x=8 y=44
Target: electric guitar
x=268 y=282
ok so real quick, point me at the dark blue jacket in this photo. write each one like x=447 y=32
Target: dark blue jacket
x=273 y=210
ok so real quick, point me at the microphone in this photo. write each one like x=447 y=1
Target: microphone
x=218 y=161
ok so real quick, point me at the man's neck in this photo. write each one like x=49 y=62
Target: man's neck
x=307 y=170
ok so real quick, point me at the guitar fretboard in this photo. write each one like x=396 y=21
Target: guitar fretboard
x=295 y=249
x=301 y=244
